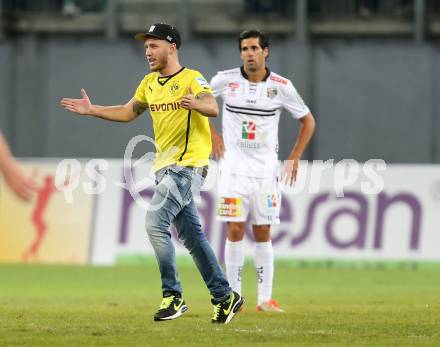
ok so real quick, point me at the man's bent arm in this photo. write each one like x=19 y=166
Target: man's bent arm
x=306 y=131
x=203 y=103
x=207 y=105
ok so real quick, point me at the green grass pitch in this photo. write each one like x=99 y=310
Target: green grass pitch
x=113 y=306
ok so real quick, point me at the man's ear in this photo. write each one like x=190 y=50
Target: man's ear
x=266 y=52
x=173 y=48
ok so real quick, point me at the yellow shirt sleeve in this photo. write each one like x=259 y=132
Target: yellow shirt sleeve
x=141 y=91
x=200 y=85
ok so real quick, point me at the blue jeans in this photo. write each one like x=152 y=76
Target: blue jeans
x=173 y=202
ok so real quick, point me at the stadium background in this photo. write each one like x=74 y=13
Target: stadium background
x=370 y=73
x=372 y=81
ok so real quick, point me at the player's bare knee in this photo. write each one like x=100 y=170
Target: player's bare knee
x=261 y=233
x=235 y=231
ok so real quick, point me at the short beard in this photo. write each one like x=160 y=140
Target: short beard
x=161 y=64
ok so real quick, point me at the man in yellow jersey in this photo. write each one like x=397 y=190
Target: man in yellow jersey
x=179 y=100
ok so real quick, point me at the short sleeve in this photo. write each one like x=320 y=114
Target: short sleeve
x=200 y=85
x=293 y=102
x=140 y=91
x=217 y=85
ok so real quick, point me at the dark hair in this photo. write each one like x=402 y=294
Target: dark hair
x=262 y=38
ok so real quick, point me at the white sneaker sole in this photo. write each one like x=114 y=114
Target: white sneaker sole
x=235 y=309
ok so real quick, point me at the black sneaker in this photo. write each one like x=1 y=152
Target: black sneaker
x=172 y=306
x=224 y=311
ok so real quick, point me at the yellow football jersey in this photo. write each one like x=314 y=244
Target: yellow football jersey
x=182 y=136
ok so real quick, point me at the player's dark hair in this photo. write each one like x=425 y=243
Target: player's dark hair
x=254 y=33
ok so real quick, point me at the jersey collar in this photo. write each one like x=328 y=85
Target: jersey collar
x=164 y=79
x=245 y=75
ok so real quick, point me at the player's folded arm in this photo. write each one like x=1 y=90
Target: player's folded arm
x=203 y=95
x=209 y=107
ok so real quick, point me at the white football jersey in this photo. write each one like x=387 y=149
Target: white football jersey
x=251 y=114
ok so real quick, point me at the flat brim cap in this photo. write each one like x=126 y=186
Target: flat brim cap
x=161 y=31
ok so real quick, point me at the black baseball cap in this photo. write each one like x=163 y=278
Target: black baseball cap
x=161 y=31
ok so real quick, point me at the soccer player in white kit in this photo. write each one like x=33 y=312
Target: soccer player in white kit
x=249 y=184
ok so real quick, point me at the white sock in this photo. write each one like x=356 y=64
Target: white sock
x=264 y=267
x=234 y=261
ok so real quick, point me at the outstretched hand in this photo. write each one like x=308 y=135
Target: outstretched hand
x=80 y=106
